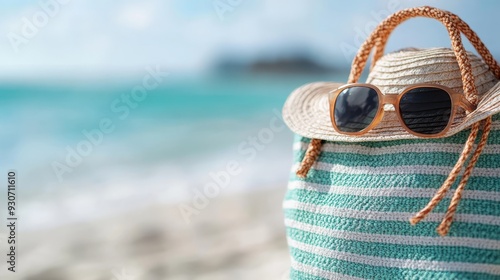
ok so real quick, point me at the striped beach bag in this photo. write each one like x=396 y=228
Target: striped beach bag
x=399 y=177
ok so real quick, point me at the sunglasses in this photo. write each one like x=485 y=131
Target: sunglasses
x=424 y=110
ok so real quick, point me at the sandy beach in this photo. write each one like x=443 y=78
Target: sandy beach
x=239 y=236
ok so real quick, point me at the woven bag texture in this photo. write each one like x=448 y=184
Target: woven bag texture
x=349 y=218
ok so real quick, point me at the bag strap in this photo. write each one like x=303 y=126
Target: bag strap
x=455 y=26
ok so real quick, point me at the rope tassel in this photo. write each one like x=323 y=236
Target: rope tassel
x=441 y=192
x=444 y=227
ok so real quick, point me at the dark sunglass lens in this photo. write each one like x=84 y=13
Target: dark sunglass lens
x=355 y=108
x=426 y=110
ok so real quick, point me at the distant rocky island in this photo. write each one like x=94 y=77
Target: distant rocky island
x=285 y=65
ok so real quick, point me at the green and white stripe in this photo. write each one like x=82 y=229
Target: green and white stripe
x=349 y=218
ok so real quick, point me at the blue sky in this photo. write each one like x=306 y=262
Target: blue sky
x=187 y=36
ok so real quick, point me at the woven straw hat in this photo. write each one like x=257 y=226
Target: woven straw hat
x=307 y=113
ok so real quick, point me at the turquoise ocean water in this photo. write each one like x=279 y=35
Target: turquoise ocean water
x=164 y=149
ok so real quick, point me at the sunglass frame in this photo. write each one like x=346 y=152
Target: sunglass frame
x=457 y=100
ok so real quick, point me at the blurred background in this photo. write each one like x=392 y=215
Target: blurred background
x=147 y=135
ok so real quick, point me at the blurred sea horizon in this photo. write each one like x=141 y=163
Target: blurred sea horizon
x=161 y=152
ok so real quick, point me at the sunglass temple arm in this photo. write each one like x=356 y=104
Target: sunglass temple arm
x=467 y=105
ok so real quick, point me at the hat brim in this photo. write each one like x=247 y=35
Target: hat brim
x=307 y=113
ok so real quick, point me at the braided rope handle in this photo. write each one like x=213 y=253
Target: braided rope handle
x=453 y=24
